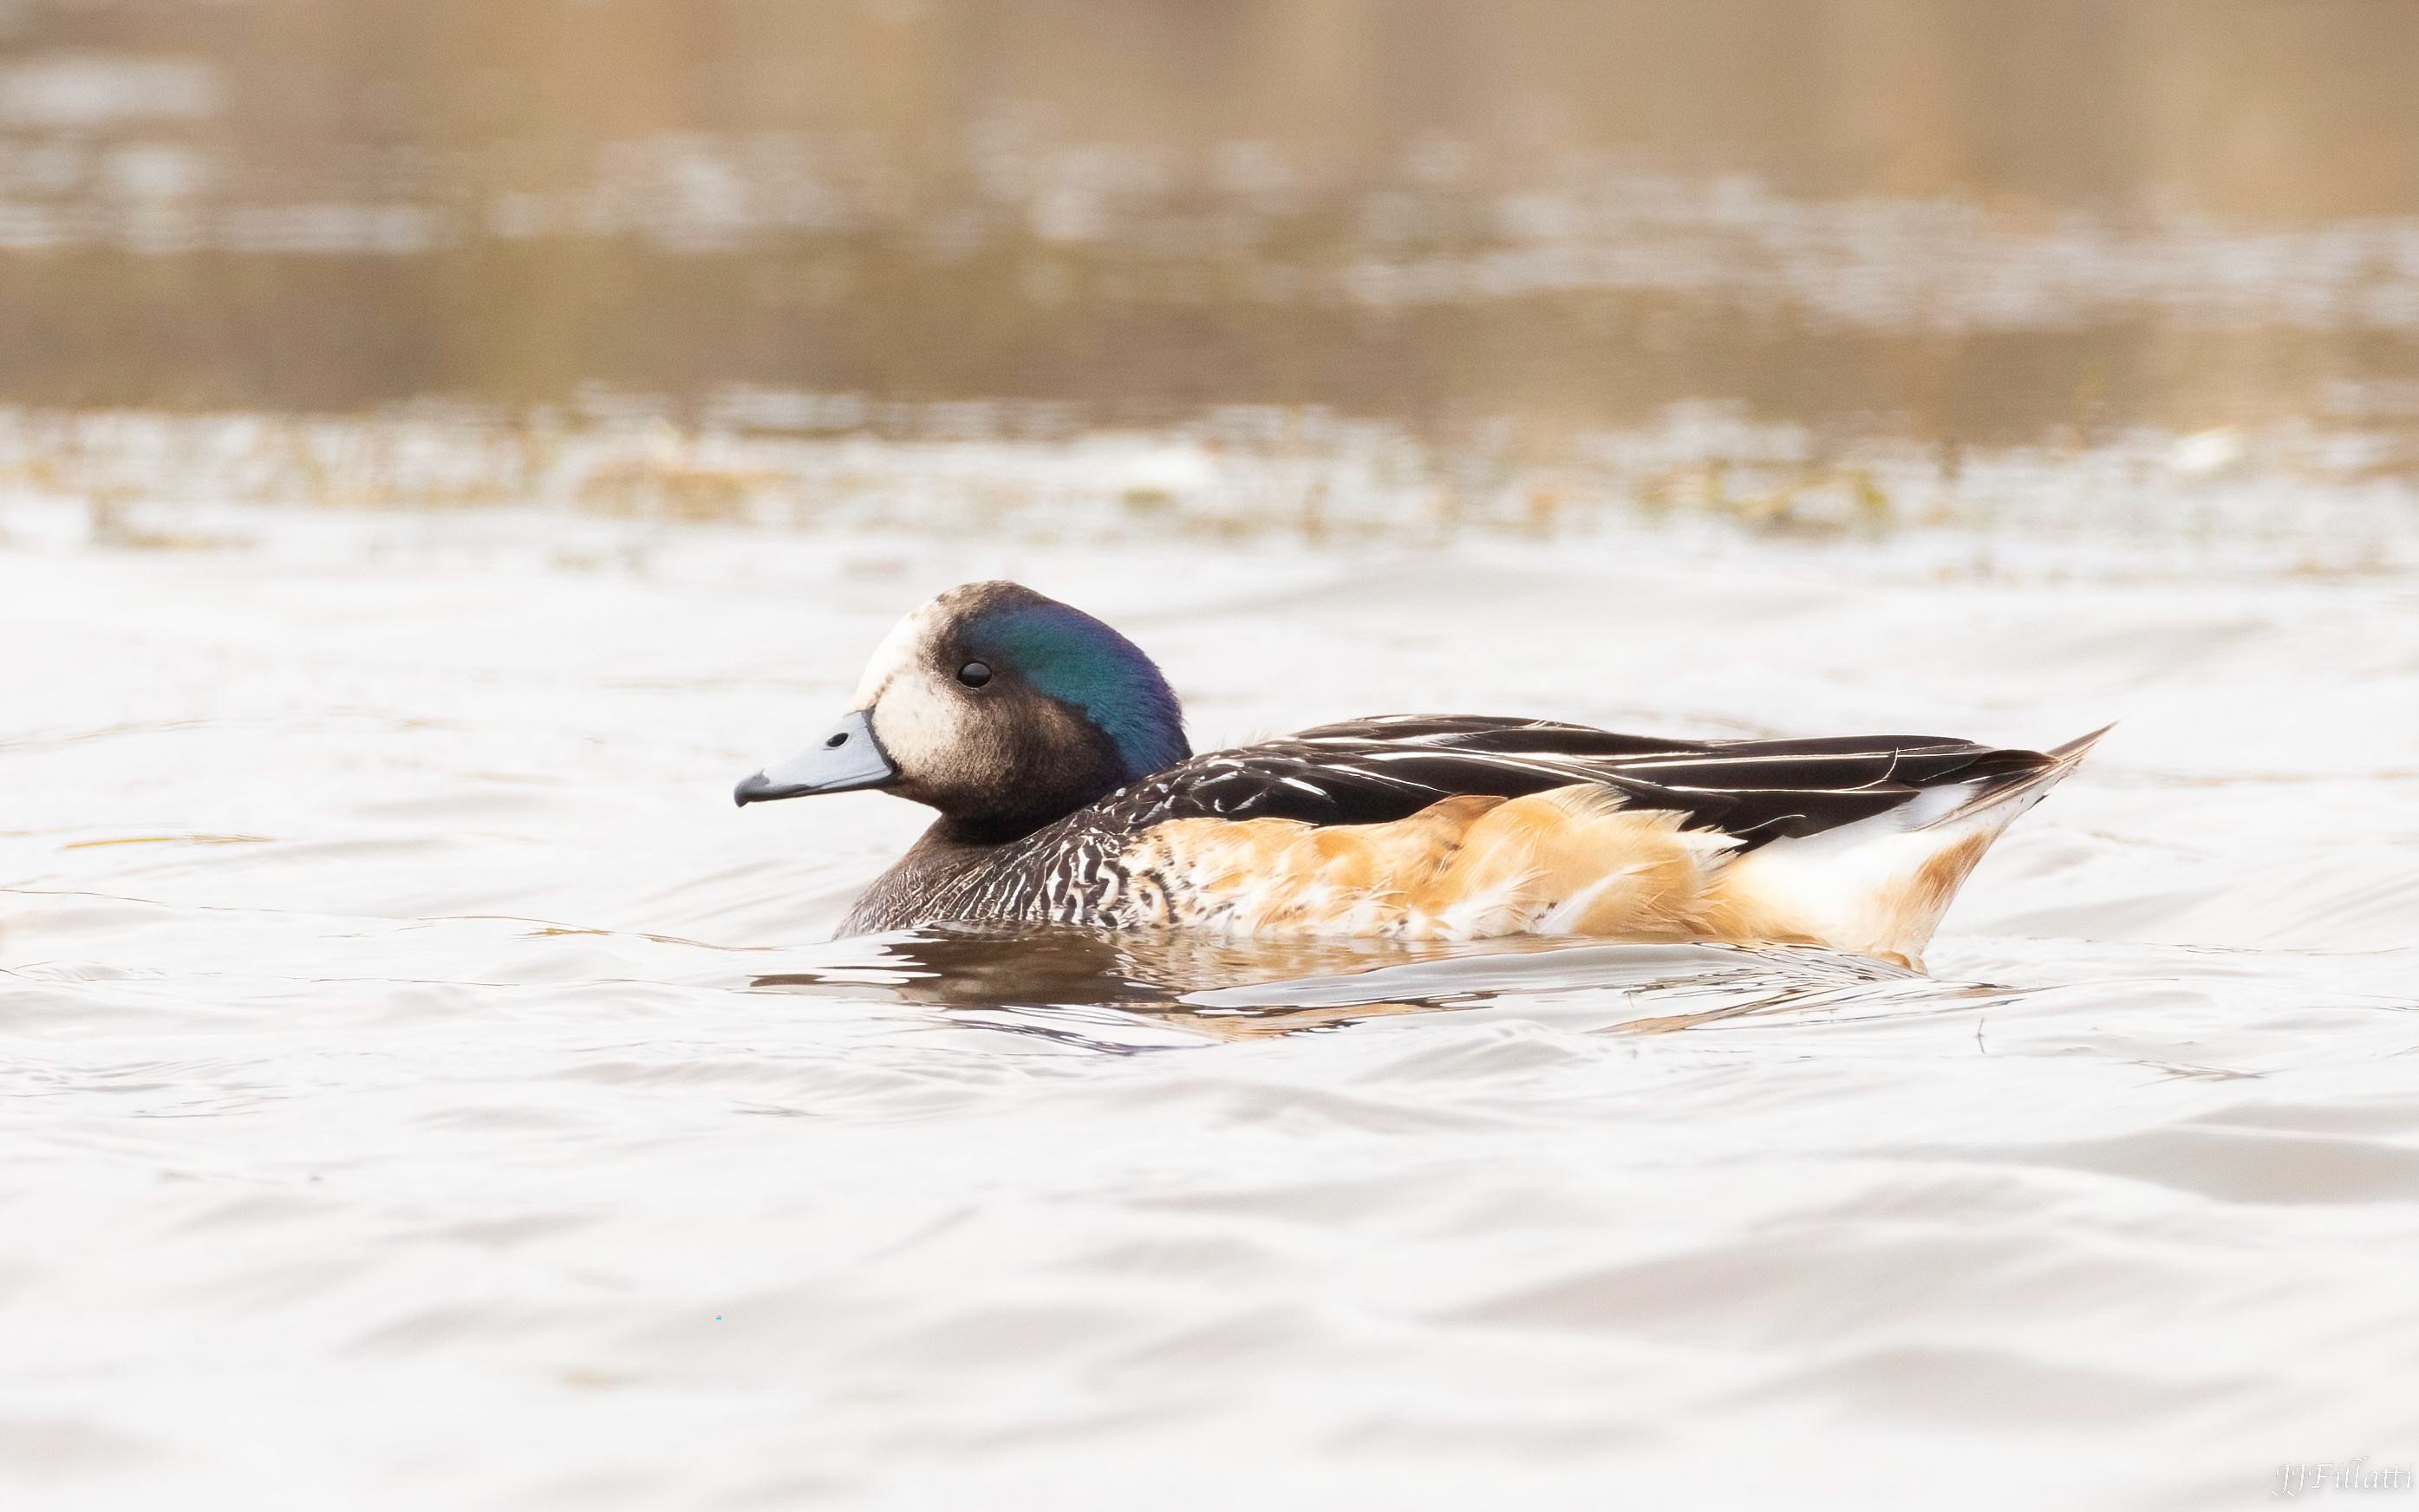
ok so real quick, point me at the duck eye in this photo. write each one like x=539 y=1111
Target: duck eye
x=974 y=674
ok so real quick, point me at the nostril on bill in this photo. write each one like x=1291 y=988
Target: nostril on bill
x=837 y=741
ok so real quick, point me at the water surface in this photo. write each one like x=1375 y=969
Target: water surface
x=422 y=1088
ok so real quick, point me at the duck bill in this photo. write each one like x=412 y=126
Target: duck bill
x=843 y=761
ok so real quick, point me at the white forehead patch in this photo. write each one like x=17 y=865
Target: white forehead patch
x=914 y=718
x=902 y=648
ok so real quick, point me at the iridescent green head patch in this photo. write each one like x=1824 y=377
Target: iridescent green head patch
x=1069 y=656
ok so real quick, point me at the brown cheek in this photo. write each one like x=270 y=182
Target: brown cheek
x=983 y=760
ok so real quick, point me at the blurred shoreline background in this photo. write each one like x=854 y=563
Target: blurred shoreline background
x=1809 y=264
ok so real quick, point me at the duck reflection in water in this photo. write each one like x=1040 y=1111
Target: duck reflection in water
x=1047 y=977
x=1070 y=966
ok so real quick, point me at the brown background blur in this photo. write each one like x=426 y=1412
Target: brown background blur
x=1967 y=218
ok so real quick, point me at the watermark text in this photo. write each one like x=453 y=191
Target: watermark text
x=2310 y=1478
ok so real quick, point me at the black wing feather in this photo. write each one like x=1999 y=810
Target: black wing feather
x=1371 y=771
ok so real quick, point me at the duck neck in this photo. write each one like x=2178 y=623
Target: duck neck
x=1058 y=773
x=1044 y=796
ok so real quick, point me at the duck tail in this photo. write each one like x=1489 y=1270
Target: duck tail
x=2021 y=790
x=1880 y=886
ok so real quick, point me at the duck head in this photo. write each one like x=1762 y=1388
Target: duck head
x=999 y=708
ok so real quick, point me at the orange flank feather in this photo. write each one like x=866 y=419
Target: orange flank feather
x=1574 y=861
x=1567 y=861
x=1571 y=860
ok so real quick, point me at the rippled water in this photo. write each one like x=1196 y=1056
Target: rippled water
x=423 y=1090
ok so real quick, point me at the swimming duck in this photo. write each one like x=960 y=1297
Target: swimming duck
x=1054 y=751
